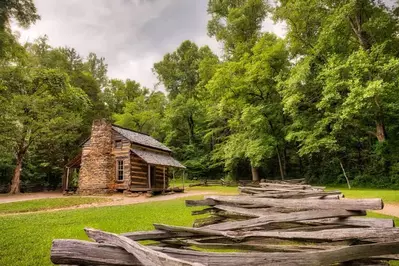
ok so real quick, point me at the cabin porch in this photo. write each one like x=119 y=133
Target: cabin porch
x=151 y=171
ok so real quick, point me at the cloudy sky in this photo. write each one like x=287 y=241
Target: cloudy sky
x=131 y=34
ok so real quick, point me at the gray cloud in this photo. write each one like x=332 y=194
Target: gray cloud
x=131 y=34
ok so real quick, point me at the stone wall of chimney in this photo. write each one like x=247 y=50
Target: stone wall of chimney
x=97 y=168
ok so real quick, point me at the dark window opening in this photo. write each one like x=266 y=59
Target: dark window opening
x=118 y=144
x=119 y=170
x=152 y=176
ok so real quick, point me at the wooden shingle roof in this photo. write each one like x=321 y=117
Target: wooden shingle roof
x=140 y=138
x=157 y=158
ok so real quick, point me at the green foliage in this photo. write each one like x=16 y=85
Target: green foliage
x=24 y=12
x=143 y=113
x=323 y=96
x=236 y=23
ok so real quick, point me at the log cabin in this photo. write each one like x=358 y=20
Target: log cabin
x=116 y=159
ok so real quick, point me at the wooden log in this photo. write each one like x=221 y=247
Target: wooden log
x=265 y=218
x=354 y=221
x=208 y=221
x=204 y=202
x=76 y=252
x=295 y=195
x=154 y=235
x=289 y=186
x=256 y=212
x=346 y=204
x=88 y=253
x=144 y=254
x=362 y=234
x=248 y=246
x=204 y=211
x=194 y=231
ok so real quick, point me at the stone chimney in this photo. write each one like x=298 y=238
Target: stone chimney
x=97 y=165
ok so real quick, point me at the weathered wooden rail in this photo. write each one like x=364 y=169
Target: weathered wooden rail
x=287 y=223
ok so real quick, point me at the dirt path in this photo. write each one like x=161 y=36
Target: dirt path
x=116 y=200
x=390 y=209
x=5 y=198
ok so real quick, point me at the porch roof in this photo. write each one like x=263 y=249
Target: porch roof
x=157 y=158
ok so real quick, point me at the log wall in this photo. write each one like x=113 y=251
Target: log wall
x=121 y=153
x=159 y=177
x=139 y=172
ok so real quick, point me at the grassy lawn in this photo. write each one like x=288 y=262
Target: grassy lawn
x=387 y=195
x=26 y=239
x=216 y=189
x=46 y=204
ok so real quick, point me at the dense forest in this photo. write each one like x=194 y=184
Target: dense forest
x=319 y=103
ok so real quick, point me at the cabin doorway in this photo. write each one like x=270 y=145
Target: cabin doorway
x=152 y=176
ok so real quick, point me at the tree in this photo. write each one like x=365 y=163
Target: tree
x=25 y=13
x=41 y=104
x=249 y=101
x=98 y=68
x=143 y=113
x=343 y=77
x=236 y=23
x=180 y=72
x=118 y=92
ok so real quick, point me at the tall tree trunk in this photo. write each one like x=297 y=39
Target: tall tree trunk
x=255 y=173
x=380 y=131
x=16 y=179
x=285 y=160
x=191 y=129
x=280 y=164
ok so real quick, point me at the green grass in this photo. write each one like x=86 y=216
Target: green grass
x=47 y=204
x=387 y=195
x=26 y=239
x=377 y=215
x=216 y=189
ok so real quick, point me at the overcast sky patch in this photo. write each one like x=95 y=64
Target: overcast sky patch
x=131 y=34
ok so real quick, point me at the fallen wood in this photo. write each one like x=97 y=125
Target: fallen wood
x=355 y=221
x=283 y=224
x=290 y=186
x=194 y=231
x=296 y=195
x=346 y=204
x=272 y=215
x=208 y=221
x=372 y=235
x=248 y=246
x=143 y=254
x=265 y=219
x=88 y=253
x=154 y=235
x=362 y=234
x=77 y=252
x=204 y=202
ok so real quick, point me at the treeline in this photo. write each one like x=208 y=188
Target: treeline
x=321 y=102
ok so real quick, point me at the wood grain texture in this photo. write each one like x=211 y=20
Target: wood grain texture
x=143 y=254
x=89 y=253
x=345 y=204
